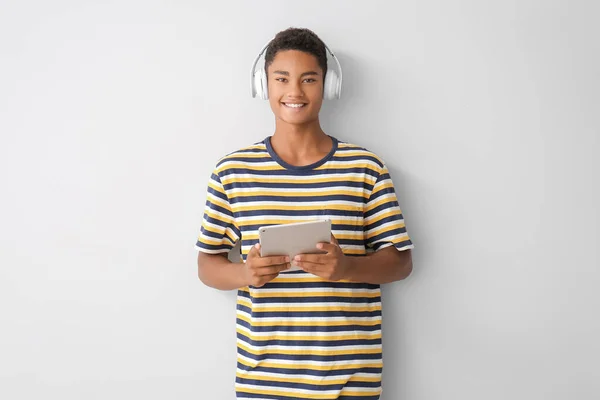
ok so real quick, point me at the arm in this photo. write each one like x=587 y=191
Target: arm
x=385 y=266
x=216 y=271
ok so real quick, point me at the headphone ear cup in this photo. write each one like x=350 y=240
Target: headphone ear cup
x=264 y=90
x=260 y=84
x=331 y=87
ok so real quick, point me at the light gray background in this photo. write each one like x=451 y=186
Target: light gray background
x=113 y=113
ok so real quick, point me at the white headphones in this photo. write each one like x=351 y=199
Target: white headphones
x=332 y=88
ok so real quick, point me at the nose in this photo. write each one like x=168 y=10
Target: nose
x=295 y=89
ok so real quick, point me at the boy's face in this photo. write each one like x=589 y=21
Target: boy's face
x=295 y=84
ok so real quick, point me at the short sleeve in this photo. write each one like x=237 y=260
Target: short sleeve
x=219 y=231
x=383 y=220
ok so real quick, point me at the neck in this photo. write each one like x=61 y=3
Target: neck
x=299 y=138
x=300 y=144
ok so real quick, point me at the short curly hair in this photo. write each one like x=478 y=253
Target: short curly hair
x=301 y=39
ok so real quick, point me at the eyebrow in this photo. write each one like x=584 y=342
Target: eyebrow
x=285 y=73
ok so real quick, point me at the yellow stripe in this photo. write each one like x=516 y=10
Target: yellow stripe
x=248 y=303
x=320 y=338
x=211 y=242
x=290 y=395
x=360 y=252
x=379 y=188
x=375 y=321
x=266 y=179
x=357 y=152
x=263 y=352
x=381 y=216
x=356 y=222
x=265 y=153
x=291 y=379
x=293 y=279
x=249 y=167
x=351 y=236
x=386 y=228
x=311 y=366
x=305 y=293
x=220 y=216
x=283 y=193
x=378 y=203
x=340 y=207
x=212 y=185
x=349 y=392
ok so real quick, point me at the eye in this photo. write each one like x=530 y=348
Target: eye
x=310 y=80
x=283 y=80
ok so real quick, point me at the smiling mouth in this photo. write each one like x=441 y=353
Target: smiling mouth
x=294 y=105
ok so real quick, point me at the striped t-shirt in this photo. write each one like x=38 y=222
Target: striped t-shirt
x=300 y=336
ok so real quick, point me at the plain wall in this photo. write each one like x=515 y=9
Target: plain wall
x=113 y=114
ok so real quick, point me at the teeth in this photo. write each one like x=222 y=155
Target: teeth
x=294 y=105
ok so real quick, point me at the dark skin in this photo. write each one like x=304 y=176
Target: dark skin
x=295 y=84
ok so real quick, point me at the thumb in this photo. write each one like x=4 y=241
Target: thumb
x=254 y=251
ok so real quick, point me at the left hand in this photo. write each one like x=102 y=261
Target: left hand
x=333 y=265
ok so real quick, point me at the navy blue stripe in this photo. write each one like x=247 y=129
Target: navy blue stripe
x=359 y=157
x=315 y=299
x=288 y=172
x=257 y=149
x=215 y=221
x=212 y=248
x=297 y=199
x=379 y=193
x=310 y=314
x=324 y=284
x=308 y=371
x=316 y=342
x=239 y=392
x=216 y=193
x=355 y=298
x=218 y=208
x=389 y=218
x=297 y=185
x=293 y=385
x=301 y=213
x=334 y=227
x=383 y=236
x=250 y=160
x=382 y=207
x=312 y=329
x=308 y=357
x=342 y=242
x=294 y=396
x=216 y=236
x=402 y=244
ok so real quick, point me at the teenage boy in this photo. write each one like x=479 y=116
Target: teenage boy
x=314 y=333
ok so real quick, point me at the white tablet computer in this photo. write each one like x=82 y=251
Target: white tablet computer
x=293 y=239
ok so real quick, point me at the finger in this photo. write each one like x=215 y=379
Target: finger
x=271 y=269
x=328 y=247
x=311 y=263
x=334 y=240
x=265 y=279
x=312 y=258
x=311 y=267
x=269 y=261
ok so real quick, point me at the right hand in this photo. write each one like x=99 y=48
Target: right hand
x=260 y=270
